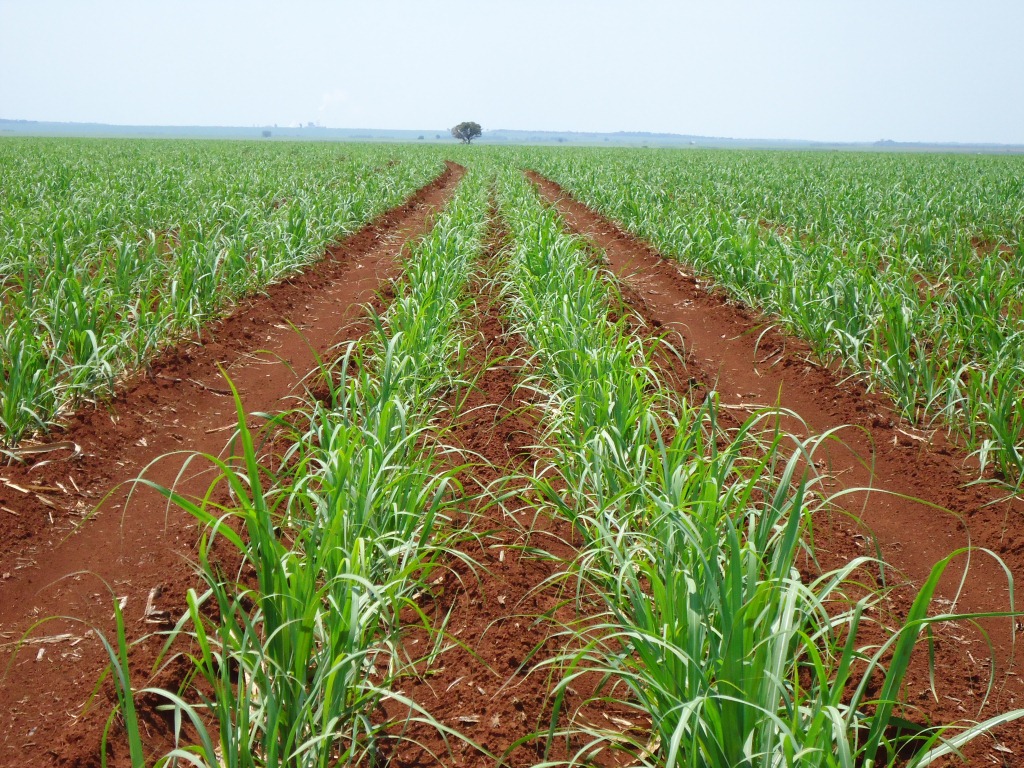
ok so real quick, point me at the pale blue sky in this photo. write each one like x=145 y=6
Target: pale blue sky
x=845 y=70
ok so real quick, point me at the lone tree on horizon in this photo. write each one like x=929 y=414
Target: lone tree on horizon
x=466 y=132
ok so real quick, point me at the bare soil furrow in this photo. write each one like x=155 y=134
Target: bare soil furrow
x=74 y=540
x=915 y=475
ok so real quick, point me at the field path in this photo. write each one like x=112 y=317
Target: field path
x=726 y=351
x=145 y=549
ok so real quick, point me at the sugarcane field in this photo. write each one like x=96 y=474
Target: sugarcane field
x=479 y=447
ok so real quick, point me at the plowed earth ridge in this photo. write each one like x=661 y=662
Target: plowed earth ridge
x=920 y=509
x=72 y=544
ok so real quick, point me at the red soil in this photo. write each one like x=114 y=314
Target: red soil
x=73 y=542
x=727 y=351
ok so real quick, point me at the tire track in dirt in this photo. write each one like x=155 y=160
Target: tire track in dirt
x=502 y=616
x=179 y=405
x=726 y=351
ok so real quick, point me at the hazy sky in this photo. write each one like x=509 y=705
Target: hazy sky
x=910 y=70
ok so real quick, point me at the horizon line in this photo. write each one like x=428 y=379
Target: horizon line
x=582 y=133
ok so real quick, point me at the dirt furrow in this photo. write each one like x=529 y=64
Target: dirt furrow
x=502 y=616
x=736 y=352
x=70 y=548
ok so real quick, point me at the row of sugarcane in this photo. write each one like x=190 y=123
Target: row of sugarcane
x=908 y=270
x=290 y=667
x=693 y=538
